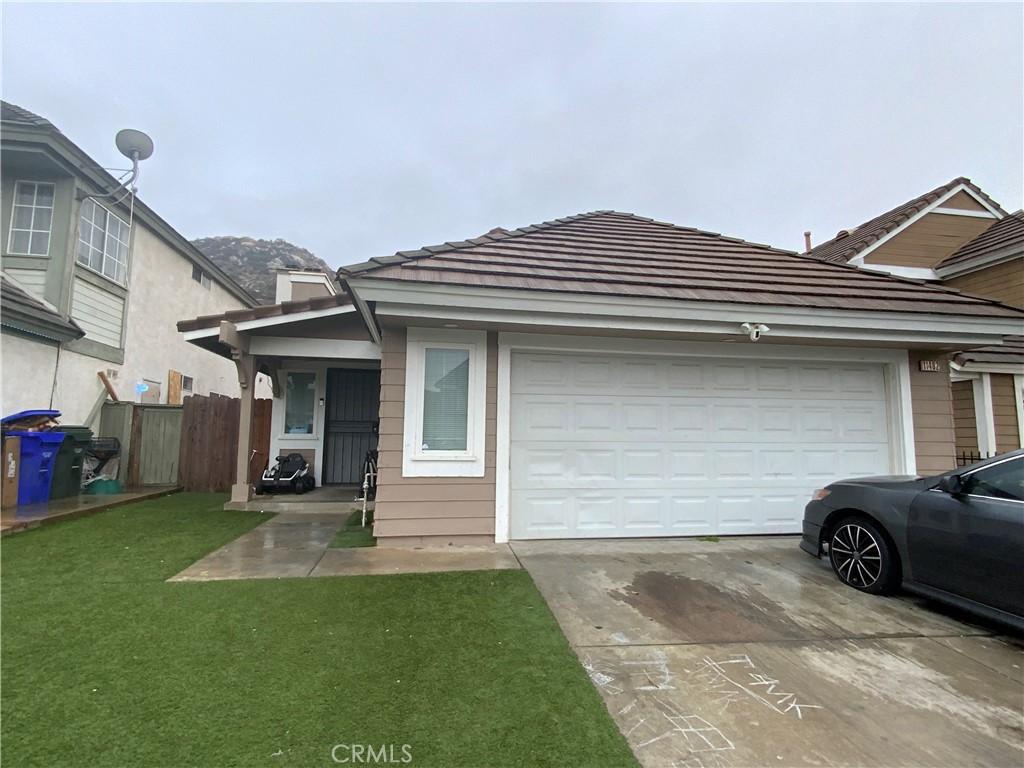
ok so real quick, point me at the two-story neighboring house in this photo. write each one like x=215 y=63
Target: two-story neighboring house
x=95 y=283
x=959 y=237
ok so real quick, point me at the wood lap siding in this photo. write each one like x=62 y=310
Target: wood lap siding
x=413 y=507
x=1004 y=413
x=964 y=202
x=964 y=418
x=99 y=313
x=928 y=241
x=1003 y=282
x=932 y=408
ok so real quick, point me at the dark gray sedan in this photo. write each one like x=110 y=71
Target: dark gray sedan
x=957 y=537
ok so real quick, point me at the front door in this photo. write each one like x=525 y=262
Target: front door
x=353 y=402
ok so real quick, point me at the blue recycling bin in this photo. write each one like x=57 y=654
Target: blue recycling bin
x=38 y=454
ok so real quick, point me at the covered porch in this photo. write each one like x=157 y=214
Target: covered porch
x=320 y=362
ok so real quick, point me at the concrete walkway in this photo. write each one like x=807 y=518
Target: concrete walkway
x=296 y=544
x=748 y=652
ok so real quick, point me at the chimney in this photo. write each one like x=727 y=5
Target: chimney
x=807 y=241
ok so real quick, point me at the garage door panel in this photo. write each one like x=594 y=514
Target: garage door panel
x=631 y=446
x=597 y=514
x=690 y=515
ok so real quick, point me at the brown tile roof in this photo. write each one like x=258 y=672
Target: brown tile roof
x=620 y=254
x=1004 y=234
x=1011 y=351
x=849 y=243
x=264 y=311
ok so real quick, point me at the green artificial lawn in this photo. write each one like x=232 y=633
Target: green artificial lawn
x=354 y=534
x=106 y=664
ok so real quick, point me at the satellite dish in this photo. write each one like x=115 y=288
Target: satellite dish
x=133 y=144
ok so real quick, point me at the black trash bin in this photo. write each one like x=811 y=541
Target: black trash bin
x=67 y=471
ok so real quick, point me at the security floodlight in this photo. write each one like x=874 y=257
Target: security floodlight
x=133 y=144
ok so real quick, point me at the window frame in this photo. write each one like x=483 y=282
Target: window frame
x=31 y=230
x=106 y=234
x=444 y=463
x=309 y=436
x=203 y=279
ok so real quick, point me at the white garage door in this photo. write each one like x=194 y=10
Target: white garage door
x=610 y=446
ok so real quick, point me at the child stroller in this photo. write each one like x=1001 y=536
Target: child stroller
x=289 y=473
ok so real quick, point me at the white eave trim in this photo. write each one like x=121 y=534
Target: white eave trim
x=1015 y=251
x=965 y=212
x=265 y=322
x=510 y=307
x=333 y=349
x=914 y=273
x=969 y=367
x=994 y=213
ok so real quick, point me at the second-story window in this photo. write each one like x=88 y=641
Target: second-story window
x=200 y=277
x=31 y=218
x=103 y=241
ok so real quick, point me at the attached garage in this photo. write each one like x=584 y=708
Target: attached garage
x=618 y=445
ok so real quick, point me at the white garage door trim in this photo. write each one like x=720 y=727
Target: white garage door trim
x=895 y=364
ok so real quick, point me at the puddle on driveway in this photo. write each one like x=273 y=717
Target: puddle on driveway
x=692 y=607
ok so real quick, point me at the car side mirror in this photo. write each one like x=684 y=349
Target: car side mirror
x=951 y=484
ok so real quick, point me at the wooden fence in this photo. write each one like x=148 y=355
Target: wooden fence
x=209 y=442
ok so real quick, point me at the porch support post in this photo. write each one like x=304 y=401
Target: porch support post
x=245 y=364
x=241 y=491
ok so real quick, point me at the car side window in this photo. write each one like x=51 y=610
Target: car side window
x=1003 y=481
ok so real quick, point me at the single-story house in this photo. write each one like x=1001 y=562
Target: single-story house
x=607 y=375
x=957 y=235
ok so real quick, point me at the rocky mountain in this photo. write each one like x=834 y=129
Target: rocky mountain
x=251 y=263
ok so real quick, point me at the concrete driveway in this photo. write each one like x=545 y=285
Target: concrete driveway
x=747 y=652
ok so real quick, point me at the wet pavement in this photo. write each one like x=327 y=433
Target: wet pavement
x=748 y=652
x=21 y=518
x=296 y=544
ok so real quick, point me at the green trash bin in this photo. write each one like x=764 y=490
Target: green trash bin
x=67 y=470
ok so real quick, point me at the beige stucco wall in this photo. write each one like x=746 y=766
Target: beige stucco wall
x=161 y=291
x=426 y=509
x=26 y=369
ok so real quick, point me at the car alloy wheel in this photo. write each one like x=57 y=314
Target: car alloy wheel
x=857 y=555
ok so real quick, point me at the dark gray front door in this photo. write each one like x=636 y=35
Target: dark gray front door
x=353 y=402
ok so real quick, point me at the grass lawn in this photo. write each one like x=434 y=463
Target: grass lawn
x=354 y=534
x=104 y=663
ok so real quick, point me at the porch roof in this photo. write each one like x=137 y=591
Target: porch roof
x=264 y=312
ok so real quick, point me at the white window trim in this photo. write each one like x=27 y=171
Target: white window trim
x=469 y=463
x=895 y=362
x=11 y=228
x=128 y=246
x=318 y=379
x=984 y=416
x=1018 y=396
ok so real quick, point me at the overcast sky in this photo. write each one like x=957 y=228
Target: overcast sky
x=359 y=130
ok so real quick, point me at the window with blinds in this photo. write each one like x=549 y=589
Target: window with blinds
x=445 y=399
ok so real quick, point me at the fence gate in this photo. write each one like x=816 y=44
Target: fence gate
x=209 y=442
x=156 y=434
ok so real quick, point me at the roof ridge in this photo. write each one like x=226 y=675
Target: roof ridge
x=402 y=257
x=899 y=214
